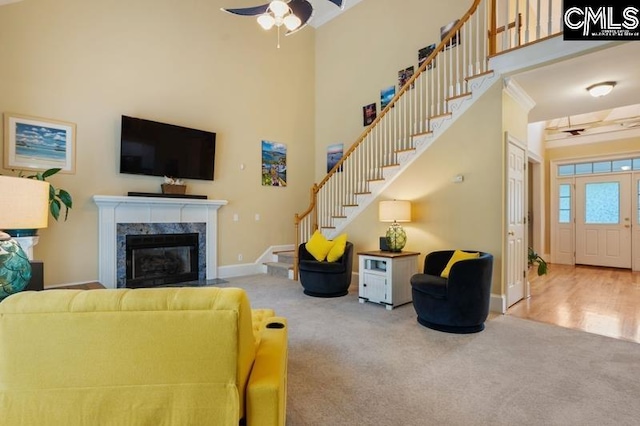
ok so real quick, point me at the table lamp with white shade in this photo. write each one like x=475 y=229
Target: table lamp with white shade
x=25 y=205
x=395 y=211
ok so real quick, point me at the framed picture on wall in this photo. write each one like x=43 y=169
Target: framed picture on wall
x=386 y=95
x=274 y=164
x=33 y=143
x=334 y=154
x=424 y=53
x=369 y=114
x=404 y=76
x=455 y=40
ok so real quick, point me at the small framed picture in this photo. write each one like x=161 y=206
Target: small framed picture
x=33 y=143
x=424 y=53
x=369 y=114
x=386 y=95
x=455 y=40
x=334 y=154
x=404 y=76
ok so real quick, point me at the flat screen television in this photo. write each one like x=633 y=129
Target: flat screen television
x=159 y=149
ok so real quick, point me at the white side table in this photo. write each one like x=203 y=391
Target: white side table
x=385 y=277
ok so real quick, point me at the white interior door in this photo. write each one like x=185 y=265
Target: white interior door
x=603 y=220
x=516 y=223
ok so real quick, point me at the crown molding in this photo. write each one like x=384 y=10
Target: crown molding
x=514 y=90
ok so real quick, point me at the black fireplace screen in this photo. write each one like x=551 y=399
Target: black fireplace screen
x=158 y=259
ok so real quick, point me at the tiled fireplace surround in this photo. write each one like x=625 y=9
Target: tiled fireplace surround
x=122 y=215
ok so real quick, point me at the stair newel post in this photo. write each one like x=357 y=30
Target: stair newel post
x=493 y=31
x=296 y=220
x=314 y=202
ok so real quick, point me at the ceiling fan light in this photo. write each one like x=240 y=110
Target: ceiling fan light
x=601 y=89
x=292 y=22
x=266 y=21
x=279 y=8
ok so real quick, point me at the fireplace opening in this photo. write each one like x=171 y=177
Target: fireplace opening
x=159 y=259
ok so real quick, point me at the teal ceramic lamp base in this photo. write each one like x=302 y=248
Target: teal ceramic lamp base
x=15 y=268
x=396 y=237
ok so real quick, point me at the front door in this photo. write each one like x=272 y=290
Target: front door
x=603 y=220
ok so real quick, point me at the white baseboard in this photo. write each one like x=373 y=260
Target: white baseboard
x=498 y=303
x=258 y=267
x=240 y=270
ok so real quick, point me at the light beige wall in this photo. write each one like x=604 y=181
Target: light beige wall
x=591 y=150
x=360 y=52
x=182 y=62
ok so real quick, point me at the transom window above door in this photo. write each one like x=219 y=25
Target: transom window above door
x=596 y=167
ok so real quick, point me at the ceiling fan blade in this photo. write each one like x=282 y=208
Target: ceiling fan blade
x=249 y=11
x=303 y=10
x=338 y=3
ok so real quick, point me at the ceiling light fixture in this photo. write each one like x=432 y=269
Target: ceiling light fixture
x=601 y=89
x=278 y=14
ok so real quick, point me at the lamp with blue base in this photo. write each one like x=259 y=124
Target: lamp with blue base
x=25 y=205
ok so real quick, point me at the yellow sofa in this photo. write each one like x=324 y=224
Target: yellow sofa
x=163 y=356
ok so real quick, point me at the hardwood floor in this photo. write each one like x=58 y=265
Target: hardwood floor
x=603 y=301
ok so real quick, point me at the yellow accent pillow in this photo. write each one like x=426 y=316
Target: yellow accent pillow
x=457 y=256
x=336 y=252
x=318 y=246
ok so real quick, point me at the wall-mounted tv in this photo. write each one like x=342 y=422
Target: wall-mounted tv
x=159 y=149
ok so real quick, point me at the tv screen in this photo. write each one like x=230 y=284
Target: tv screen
x=159 y=149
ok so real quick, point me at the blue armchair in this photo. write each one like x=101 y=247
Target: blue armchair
x=325 y=279
x=459 y=303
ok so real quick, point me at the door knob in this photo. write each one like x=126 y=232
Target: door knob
x=511 y=233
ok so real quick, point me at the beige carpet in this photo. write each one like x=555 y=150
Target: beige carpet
x=360 y=364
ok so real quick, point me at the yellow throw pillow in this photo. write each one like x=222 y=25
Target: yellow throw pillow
x=336 y=252
x=318 y=246
x=457 y=256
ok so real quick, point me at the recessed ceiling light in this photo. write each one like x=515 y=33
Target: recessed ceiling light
x=601 y=89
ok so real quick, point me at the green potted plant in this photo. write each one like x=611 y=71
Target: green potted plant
x=59 y=199
x=534 y=260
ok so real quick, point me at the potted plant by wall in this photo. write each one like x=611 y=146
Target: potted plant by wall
x=537 y=261
x=59 y=200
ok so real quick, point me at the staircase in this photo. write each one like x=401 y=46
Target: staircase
x=282 y=266
x=447 y=83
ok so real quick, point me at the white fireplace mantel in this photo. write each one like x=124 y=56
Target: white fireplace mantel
x=113 y=210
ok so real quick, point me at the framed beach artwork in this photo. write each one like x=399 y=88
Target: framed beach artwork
x=334 y=154
x=33 y=143
x=386 y=95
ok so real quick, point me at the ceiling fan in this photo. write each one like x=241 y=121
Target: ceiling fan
x=573 y=130
x=293 y=14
